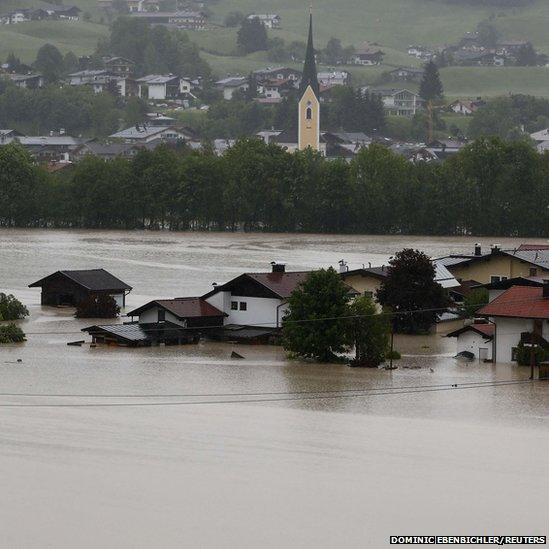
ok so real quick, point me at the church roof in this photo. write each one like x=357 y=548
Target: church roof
x=309 y=77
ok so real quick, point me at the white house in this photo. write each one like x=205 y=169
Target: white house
x=270 y=20
x=143 y=133
x=400 y=102
x=519 y=313
x=231 y=84
x=476 y=338
x=29 y=81
x=333 y=78
x=159 y=87
x=256 y=299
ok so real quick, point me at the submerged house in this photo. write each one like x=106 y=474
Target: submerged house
x=167 y=321
x=72 y=287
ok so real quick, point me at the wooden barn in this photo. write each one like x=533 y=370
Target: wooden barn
x=71 y=287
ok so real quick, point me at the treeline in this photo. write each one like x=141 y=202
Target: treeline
x=490 y=188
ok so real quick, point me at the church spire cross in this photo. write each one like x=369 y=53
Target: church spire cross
x=309 y=77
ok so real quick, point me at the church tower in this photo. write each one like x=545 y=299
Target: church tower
x=309 y=104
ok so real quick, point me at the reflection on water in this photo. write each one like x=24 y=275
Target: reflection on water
x=301 y=469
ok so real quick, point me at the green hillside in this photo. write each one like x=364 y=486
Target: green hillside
x=394 y=24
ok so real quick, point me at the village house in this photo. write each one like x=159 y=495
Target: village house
x=256 y=299
x=368 y=55
x=520 y=315
x=133 y=5
x=399 y=102
x=145 y=133
x=7 y=136
x=476 y=338
x=15 y=17
x=278 y=73
x=72 y=287
x=28 y=81
x=57 y=11
x=185 y=19
x=232 y=84
x=541 y=139
x=159 y=87
x=406 y=74
x=466 y=107
x=270 y=20
x=421 y=52
x=119 y=66
x=51 y=148
x=444 y=148
x=498 y=264
x=333 y=78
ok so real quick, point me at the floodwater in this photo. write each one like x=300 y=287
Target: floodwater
x=158 y=448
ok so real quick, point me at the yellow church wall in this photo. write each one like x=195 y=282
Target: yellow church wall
x=309 y=130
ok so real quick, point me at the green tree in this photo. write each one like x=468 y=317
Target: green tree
x=527 y=56
x=49 y=62
x=134 y=111
x=334 y=52
x=487 y=34
x=430 y=88
x=252 y=36
x=315 y=325
x=410 y=291
x=369 y=331
x=11 y=333
x=233 y=19
x=474 y=301
x=70 y=62
x=11 y=308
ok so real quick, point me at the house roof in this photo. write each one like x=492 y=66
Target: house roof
x=132 y=332
x=486 y=330
x=523 y=247
x=516 y=281
x=182 y=307
x=90 y=279
x=538 y=256
x=157 y=78
x=141 y=131
x=518 y=302
x=51 y=140
x=232 y=81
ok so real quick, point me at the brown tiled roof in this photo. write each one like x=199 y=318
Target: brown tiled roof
x=182 y=307
x=486 y=330
x=518 y=302
x=282 y=284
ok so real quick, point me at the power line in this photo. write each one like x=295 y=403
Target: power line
x=250 y=401
x=260 y=393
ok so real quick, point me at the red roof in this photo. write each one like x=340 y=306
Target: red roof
x=182 y=307
x=487 y=330
x=519 y=302
x=282 y=284
x=524 y=247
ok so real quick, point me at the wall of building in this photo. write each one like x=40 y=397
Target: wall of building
x=498 y=265
x=309 y=130
x=151 y=316
x=472 y=342
x=508 y=332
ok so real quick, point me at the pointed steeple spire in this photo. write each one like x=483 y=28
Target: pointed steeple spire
x=309 y=77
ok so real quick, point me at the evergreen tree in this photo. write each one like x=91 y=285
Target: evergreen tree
x=334 y=53
x=321 y=296
x=410 y=286
x=527 y=56
x=252 y=36
x=431 y=88
x=49 y=62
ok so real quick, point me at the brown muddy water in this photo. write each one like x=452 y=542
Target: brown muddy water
x=179 y=459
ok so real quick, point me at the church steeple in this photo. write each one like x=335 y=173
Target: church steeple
x=309 y=77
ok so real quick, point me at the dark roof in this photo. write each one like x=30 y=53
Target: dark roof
x=535 y=256
x=182 y=307
x=282 y=284
x=466 y=287
x=91 y=279
x=309 y=77
x=518 y=302
x=486 y=330
x=524 y=247
x=377 y=272
x=129 y=332
x=290 y=136
x=516 y=281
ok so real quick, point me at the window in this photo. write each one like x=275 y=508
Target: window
x=243 y=306
x=234 y=305
x=369 y=294
x=494 y=279
x=533 y=272
x=309 y=111
x=161 y=315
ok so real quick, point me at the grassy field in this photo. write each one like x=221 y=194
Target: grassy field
x=25 y=39
x=394 y=24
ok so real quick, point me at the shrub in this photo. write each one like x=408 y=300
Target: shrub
x=523 y=354
x=97 y=306
x=11 y=333
x=11 y=308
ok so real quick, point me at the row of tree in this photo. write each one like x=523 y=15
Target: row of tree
x=490 y=188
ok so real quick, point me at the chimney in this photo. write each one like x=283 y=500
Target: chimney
x=478 y=249
x=495 y=248
x=278 y=267
x=546 y=288
x=343 y=267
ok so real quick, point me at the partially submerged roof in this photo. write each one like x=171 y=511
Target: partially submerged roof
x=485 y=330
x=182 y=307
x=90 y=279
x=518 y=302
